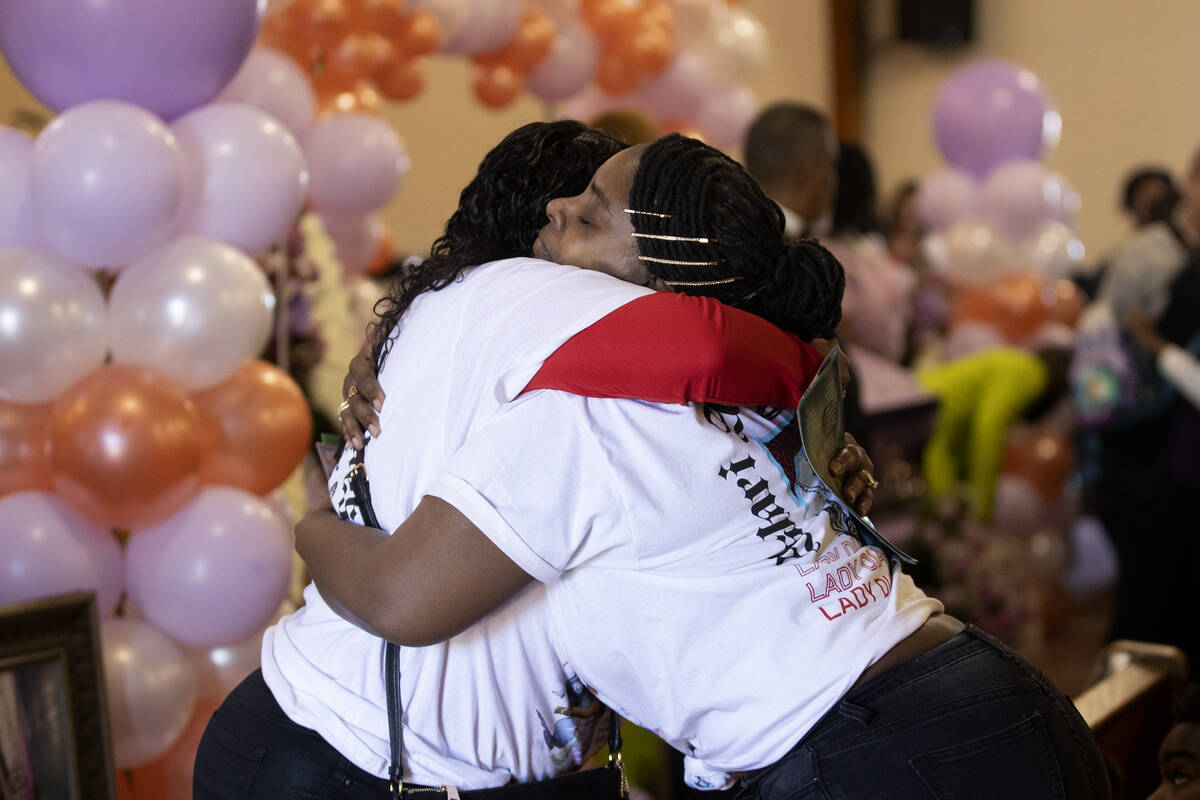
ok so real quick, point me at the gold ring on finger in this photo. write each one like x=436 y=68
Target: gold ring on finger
x=870 y=479
x=342 y=408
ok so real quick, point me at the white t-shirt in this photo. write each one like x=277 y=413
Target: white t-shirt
x=482 y=707
x=690 y=585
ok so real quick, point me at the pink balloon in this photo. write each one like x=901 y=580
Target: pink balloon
x=592 y=102
x=220 y=669
x=568 y=67
x=678 y=91
x=213 y=573
x=48 y=548
x=725 y=116
x=246 y=174
x=194 y=310
x=737 y=47
x=167 y=57
x=151 y=689
x=487 y=25
x=107 y=183
x=357 y=242
x=946 y=197
x=53 y=325
x=272 y=82
x=1020 y=197
x=356 y=163
x=18 y=225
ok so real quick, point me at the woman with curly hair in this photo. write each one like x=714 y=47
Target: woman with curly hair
x=314 y=719
x=690 y=579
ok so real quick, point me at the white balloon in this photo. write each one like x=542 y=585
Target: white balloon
x=194 y=310
x=151 y=689
x=568 y=67
x=451 y=15
x=273 y=82
x=1055 y=252
x=974 y=253
x=53 y=325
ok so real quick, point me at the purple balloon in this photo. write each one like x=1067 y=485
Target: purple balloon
x=213 y=573
x=990 y=112
x=18 y=225
x=356 y=163
x=946 y=197
x=246 y=176
x=165 y=55
x=273 y=82
x=107 y=183
x=678 y=91
x=48 y=548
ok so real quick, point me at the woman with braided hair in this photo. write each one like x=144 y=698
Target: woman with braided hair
x=689 y=580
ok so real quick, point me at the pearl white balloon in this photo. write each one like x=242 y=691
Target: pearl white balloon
x=53 y=325
x=194 y=310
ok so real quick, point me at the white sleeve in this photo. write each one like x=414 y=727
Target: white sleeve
x=1182 y=370
x=527 y=308
x=536 y=482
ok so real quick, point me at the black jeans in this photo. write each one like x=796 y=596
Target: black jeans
x=251 y=749
x=969 y=720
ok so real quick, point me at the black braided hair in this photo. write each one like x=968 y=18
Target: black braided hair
x=500 y=211
x=708 y=195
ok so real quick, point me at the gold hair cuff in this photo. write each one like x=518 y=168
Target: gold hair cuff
x=702 y=283
x=648 y=213
x=669 y=238
x=679 y=263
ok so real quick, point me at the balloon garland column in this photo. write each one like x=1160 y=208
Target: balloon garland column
x=132 y=408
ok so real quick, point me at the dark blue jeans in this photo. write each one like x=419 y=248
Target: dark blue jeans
x=251 y=749
x=969 y=720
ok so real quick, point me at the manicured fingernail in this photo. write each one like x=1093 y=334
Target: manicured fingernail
x=374 y=429
x=357 y=442
x=378 y=404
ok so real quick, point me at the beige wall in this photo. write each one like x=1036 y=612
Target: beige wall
x=447 y=131
x=1121 y=73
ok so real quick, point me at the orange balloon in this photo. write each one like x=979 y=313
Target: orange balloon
x=681 y=126
x=650 y=49
x=616 y=73
x=289 y=35
x=1013 y=305
x=24 y=460
x=419 y=34
x=327 y=21
x=384 y=16
x=362 y=96
x=497 y=86
x=259 y=426
x=1043 y=456
x=169 y=777
x=1064 y=302
x=403 y=80
x=606 y=17
x=125 y=446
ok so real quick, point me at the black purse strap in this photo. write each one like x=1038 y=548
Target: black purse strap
x=360 y=487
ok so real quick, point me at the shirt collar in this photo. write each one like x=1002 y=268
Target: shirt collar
x=794 y=225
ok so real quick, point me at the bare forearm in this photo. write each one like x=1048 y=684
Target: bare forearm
x=339 y=556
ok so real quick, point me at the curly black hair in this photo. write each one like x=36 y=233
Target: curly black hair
x=706 y=228
x=500 y=212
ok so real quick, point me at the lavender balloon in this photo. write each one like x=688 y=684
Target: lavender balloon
x=107 y=183
x=990 y=112
x=48 y=548
x=18 y=225
x=53 y=325
x=725 y=116
x=165 y=55
x=194 y=310
x=568 y=67
x=273 y=82
x=946 y=197
x=1020 y=197
x=356 y=163
x=213 y=573
x=246 y=176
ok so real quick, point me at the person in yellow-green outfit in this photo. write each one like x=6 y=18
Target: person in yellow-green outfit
x=980 y=396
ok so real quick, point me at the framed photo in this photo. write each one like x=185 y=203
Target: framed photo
x=54 y=742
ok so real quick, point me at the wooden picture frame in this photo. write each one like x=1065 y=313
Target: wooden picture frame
x=53 y=715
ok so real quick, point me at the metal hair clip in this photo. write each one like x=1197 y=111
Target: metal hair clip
x=669 y=238
x=679 y=263
x=702 y=283
x=648 y=213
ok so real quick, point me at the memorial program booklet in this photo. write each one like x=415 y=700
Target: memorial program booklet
x=822 y=433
